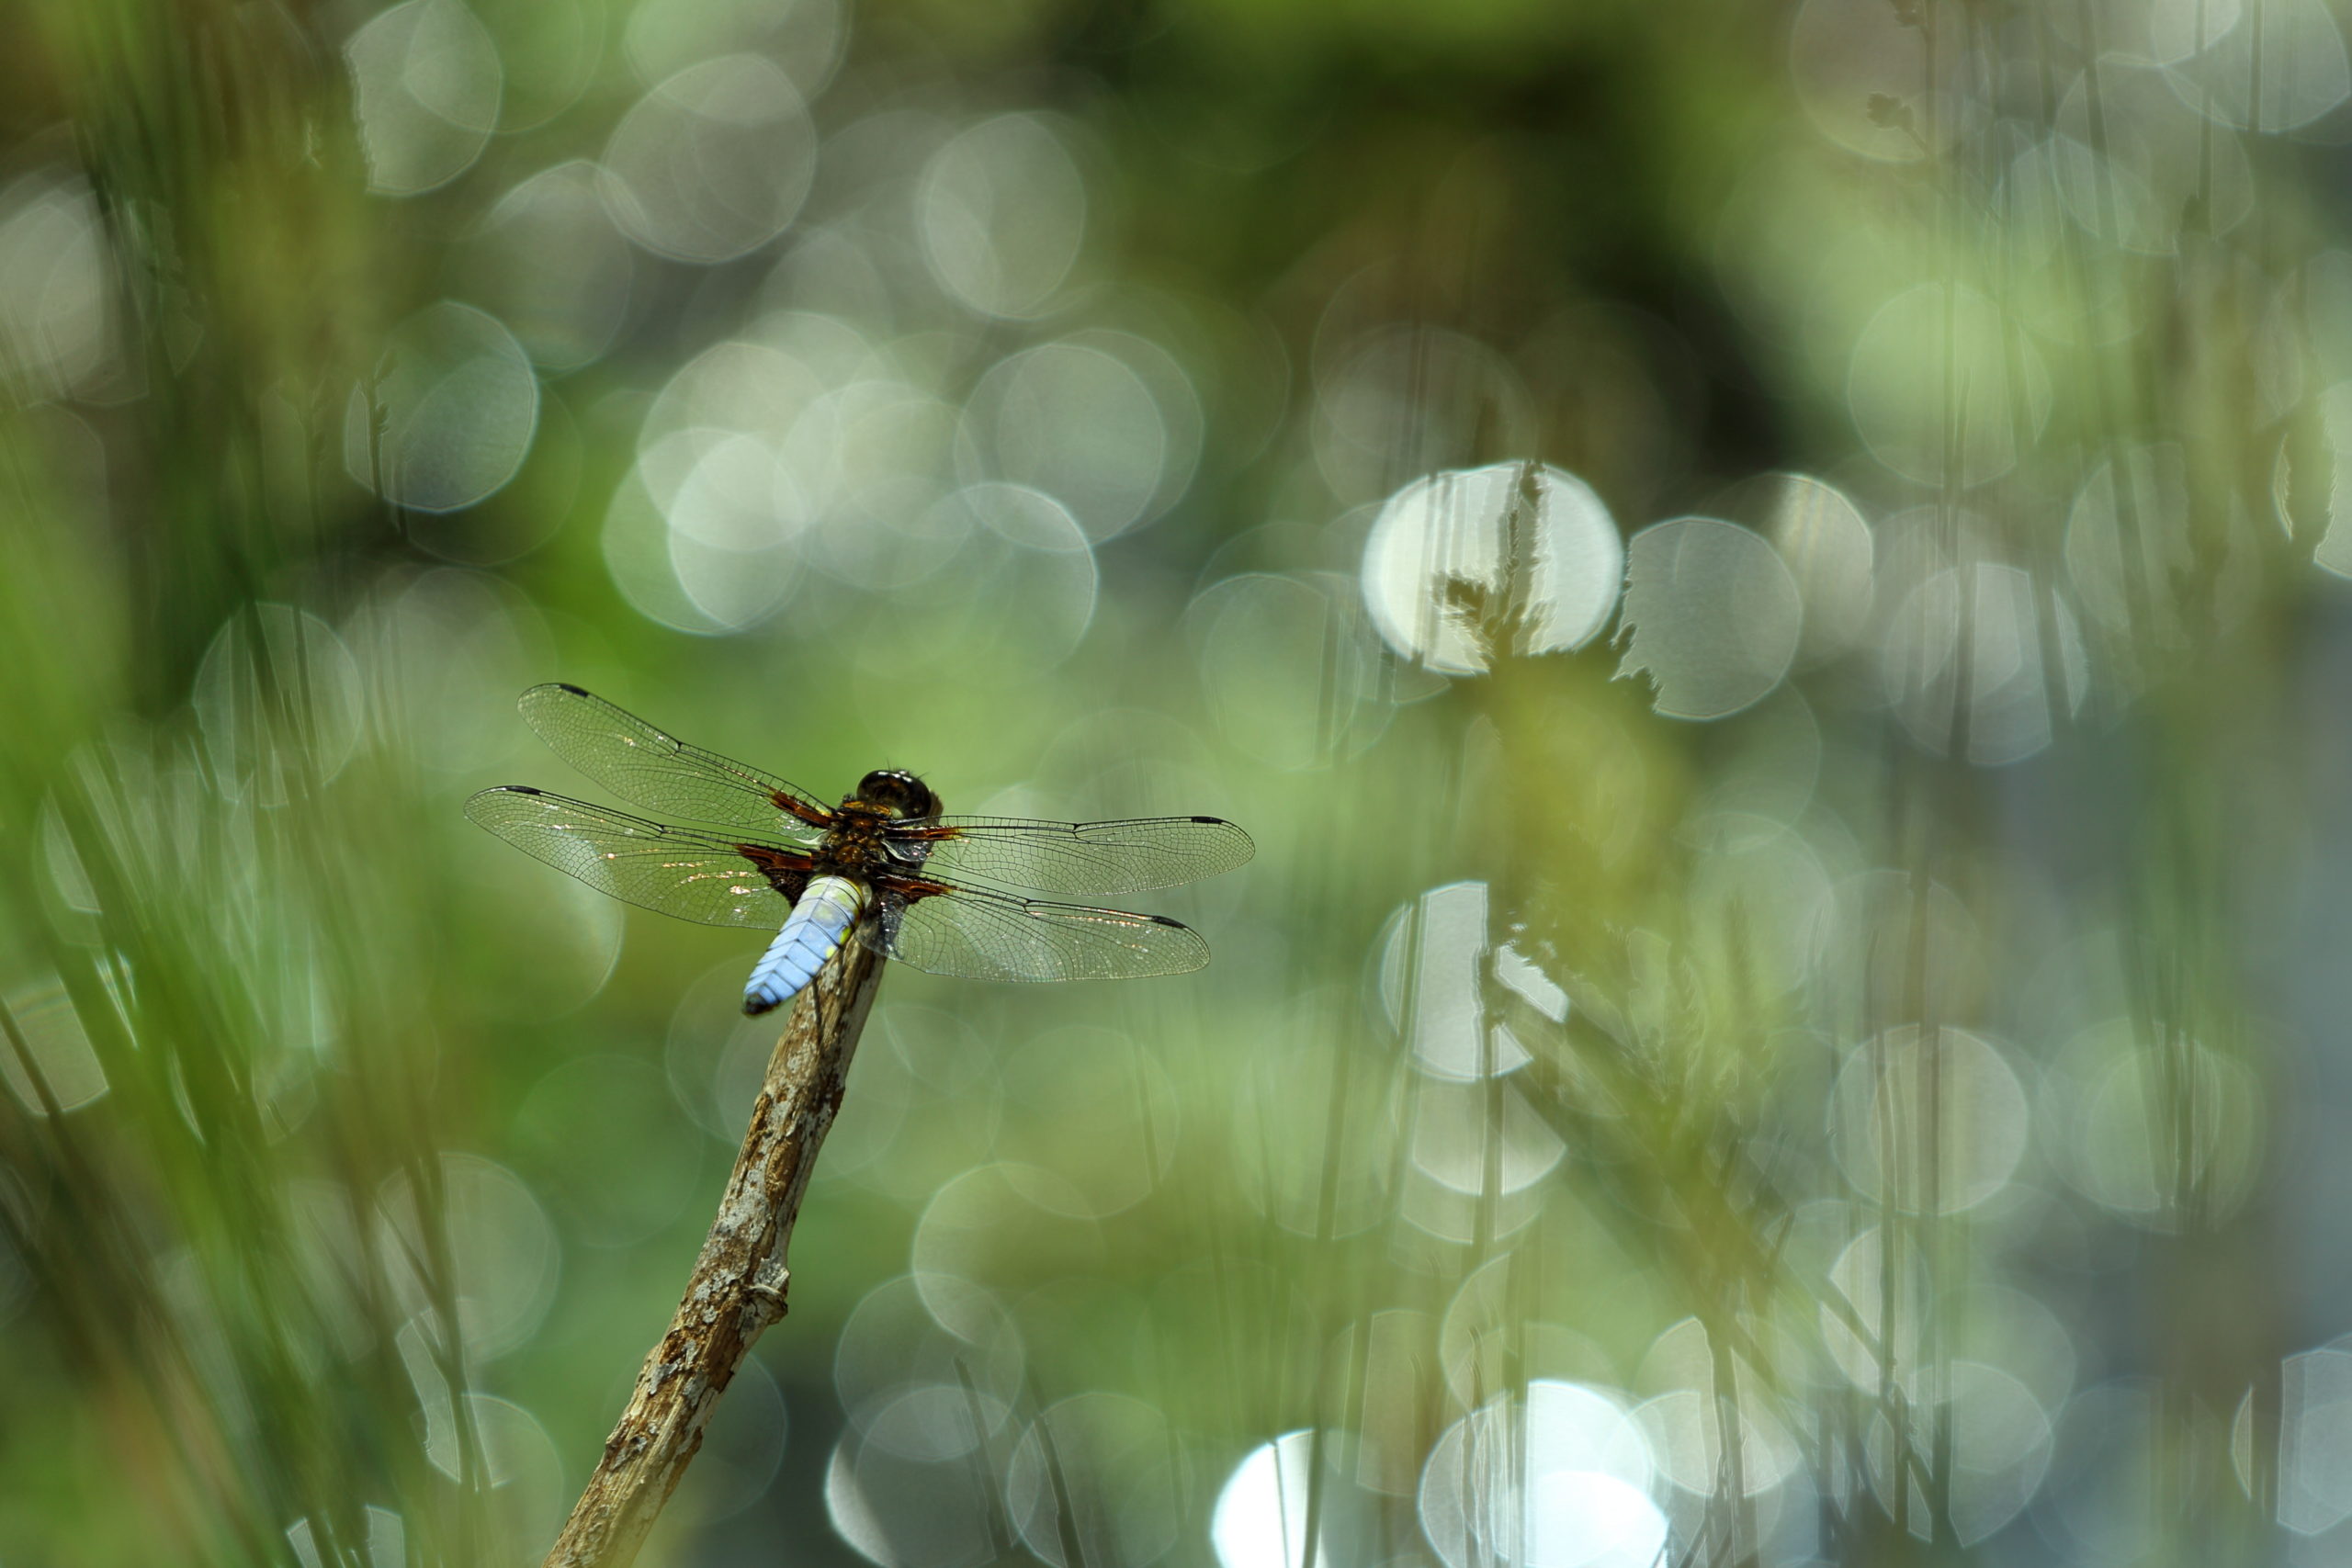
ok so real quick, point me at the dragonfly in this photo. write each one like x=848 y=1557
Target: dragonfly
x=886 y=868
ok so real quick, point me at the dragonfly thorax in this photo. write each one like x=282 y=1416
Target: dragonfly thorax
x=858 y=844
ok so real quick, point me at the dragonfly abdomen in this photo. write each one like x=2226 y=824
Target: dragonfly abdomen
x=819 y=923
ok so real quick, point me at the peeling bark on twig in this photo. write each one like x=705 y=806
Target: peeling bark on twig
x=738 y=1284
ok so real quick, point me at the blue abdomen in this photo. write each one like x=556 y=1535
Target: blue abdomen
x=819 y=922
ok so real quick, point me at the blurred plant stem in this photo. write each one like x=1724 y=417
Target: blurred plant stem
x=737 y=1288
x=250 y=263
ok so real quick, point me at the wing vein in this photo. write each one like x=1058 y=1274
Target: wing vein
x=685 y=872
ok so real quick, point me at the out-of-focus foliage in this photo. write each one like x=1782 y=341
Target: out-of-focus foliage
x=1768 y=578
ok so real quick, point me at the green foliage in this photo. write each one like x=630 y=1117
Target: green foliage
x=1885 y=1012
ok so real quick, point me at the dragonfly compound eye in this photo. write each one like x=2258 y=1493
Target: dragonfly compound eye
x=900 y=791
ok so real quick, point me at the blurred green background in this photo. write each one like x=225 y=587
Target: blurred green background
x=1768 y=578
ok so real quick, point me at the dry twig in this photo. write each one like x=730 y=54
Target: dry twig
x=738 y=1284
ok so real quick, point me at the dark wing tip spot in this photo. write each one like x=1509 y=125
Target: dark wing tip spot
x=519 y=789
x=568 y=686
x=1164 y=920
x=1211 y=821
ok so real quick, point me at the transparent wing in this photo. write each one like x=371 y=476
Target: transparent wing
x=1075 y=857
x=661 y=772
x=675 y=870
x=976 y=935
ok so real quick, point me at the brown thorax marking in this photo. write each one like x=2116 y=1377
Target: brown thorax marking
x=855 y=846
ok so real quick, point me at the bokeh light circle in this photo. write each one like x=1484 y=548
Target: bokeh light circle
x=450 y=416
x=1712 y=616
x=1463 y=567
x=714 y=162
x=425 y=78
x=1002 y=213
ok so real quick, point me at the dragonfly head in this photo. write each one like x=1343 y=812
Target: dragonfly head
x=902 y=791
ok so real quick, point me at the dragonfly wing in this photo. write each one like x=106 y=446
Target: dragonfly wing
x=683 y=872
x=657 y=769
x=978 y=935
x=1075 y=857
